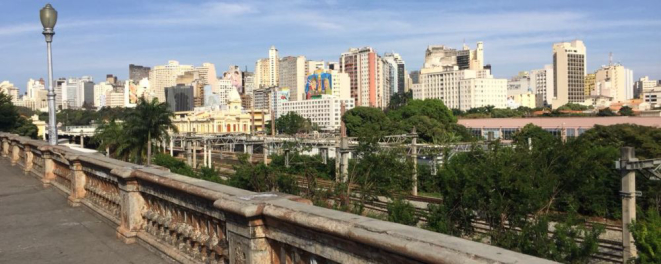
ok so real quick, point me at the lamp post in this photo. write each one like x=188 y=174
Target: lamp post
x=48 y=17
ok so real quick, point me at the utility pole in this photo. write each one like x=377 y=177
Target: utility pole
x=414 y=157
x=628 y=164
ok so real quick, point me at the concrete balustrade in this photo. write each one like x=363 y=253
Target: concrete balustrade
x=195 y=221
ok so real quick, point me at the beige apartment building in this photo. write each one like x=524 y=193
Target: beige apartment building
x=614 y=81
x=166 y=76
x=293 y=76
x=569 y=63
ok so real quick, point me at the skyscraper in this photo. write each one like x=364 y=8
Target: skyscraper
x=364 y=75
x=292 y=76
x=569 y=63
x=273 y=67
x=542 y=81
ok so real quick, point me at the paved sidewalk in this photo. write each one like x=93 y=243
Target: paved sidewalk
x=38 y=226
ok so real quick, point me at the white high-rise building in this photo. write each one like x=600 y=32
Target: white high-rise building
x=75 y=91
x=458 y=78
x=100 y=94
x=542 y=82
x=325 y=111
x=166 y=76
x=569 y=68
x=33 y=87
x=207 y=74
x=274 y=69
x=293 y=76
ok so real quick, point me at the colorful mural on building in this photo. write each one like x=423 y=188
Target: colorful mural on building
x=318 y=83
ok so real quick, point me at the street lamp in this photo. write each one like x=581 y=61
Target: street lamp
x=48 y=17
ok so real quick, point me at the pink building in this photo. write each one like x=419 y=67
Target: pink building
x=562 y=126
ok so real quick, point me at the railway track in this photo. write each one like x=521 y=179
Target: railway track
x=610 y=251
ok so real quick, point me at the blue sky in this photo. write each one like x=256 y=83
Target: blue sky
x=102 y=37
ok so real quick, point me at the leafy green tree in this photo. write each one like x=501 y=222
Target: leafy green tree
x=431 y=108
x=402 y=212
x=573 y=107
x=367 y=122
x=606 y=112
x=537 y=136
x=647 y=237
x=399 y=100
x=149 y=123
x=626 y=111
x=8 y=114
x=111 y=137
x=24 y=127
x=292 y=123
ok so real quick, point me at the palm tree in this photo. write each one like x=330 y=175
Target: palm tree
x=110 y=137
x=149 y=122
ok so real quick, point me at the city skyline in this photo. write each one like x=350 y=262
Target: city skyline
x=518 y=36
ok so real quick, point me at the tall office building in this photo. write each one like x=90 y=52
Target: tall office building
x=166 y=76
x=179 y=98
x=459 y=79
x=207 y=74
x=292 y=76
x=569 y=63
x=364 y=70
x=137 y=72
x=262 y=73
x=542 y=82
x=274 y=69
x=394 y=76
x=33 y=87
x=9 y=89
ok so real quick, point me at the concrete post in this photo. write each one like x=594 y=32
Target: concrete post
x=344 y=159
x=194 y=155
x=249 y=151
x=286 y=158
x=132 y=205
x=265 y=151
x=187 y=152
x=171 y=146
x=82 y=140
x=49 y=167
x=628 y=194
x=414 y=157
x=324 y=155
x=210 y=157
x=77 y=183
x=204 y=154
x=338 y=159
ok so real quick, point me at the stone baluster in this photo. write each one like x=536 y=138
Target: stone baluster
x=15 y=153
x=5 y=147
x=49 y=168
x=132 y=205
x=28 y=159
x=77 y=183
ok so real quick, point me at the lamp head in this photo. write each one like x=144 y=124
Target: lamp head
x=48 y=16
